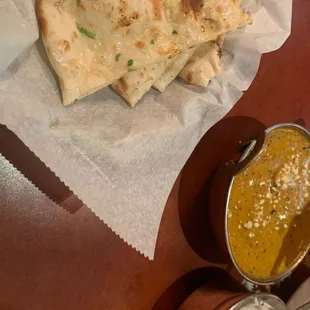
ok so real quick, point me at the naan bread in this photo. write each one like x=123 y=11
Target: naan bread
x=173 y=69
x=133 y=85
x=203 y=65
x=92 y=43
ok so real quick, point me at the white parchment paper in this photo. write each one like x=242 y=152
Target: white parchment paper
x=17 y=31
x=122 y=162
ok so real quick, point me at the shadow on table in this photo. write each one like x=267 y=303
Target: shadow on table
x=218 y=146
x=175 y=295
x=22 y=158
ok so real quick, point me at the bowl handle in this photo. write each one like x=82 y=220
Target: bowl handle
x=254 y=147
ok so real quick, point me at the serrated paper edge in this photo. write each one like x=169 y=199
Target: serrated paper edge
x=56 y=203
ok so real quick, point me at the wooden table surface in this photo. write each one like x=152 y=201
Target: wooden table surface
x=54 y=259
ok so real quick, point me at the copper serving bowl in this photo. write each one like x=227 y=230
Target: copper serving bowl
x=220 y=195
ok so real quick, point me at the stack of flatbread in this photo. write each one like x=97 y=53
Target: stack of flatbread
x=133 y=45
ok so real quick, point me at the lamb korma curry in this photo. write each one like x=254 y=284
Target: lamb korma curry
x=269 y=206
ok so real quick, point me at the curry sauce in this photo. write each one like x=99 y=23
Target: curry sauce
x=269 y=206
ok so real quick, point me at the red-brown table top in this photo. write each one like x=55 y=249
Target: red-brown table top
x=54 y=259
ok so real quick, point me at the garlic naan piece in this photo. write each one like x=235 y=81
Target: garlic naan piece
x=203 y=65
x=174 y=69
x=135 y=84
x=92 y=43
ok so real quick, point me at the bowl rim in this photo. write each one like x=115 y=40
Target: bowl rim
x=241 y=302
x=288 y=271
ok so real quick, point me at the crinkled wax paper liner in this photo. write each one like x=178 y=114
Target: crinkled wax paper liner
x=17 y=31
x=123 y=162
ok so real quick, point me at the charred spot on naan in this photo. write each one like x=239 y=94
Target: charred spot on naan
x=42 y=19
x=164 y=51
x=140 y=44
x=122 y=86
x=74 y=36
x=189 y=77
x=219 y=9
x=150 y=78
x=194 y=6
x=212 y=24
x=219 y=52
x=135 y=15
x=125 y=21
x=158 y=8
x=171 y=51
x=43 y=25
x=123 y=6
x=82 y=7
x=64 y=45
